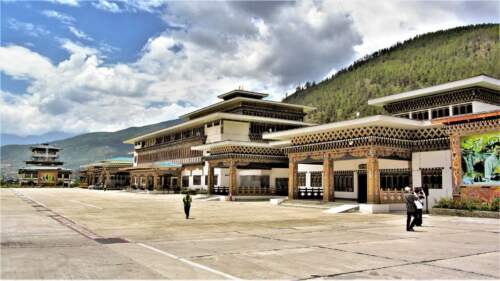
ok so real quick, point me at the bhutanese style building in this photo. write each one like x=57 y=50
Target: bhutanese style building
x=106 y=173
x=220 y=148
x=423 y=143
x=444 y=139
x=44 y=168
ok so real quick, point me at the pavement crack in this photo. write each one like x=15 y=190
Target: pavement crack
x=424 y=262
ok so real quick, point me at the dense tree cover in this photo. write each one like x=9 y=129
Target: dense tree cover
x=423 y=61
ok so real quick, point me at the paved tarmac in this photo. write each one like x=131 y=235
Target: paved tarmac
x=66 y=234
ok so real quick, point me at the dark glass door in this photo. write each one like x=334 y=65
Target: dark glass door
x=281 y=186
x=362 y=187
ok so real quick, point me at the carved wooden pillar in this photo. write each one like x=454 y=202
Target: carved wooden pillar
x=107 y=178
x=155 y=181
x=293 y=189
x=328 y=193
x=210 y=178
x=232 y=178
x=373 y=178
x=456 y=163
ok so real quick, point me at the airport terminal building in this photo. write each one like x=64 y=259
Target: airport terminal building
x=444 y=138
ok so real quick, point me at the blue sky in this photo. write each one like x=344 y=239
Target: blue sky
x=71 y=67
x=104 y=29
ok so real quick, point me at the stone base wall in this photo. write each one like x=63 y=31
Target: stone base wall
x=483 y=193
x=465 y=213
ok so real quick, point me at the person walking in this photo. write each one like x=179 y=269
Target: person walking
x=411 y=208
x=187 y=204
x=419 y=192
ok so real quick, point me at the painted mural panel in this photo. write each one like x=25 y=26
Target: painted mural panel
x=481 y=159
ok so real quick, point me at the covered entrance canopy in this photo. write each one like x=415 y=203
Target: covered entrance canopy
x=238 y=156
x=372 y=153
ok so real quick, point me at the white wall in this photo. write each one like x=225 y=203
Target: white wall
x=433 y=159
x=236 y=131
x=213 y=133
x=348 y=165
x=482 y=107
x=393 y=164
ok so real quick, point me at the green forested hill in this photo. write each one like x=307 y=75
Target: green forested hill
x=423 y=61
x=81 y=149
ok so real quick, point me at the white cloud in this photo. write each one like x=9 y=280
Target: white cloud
x=22 y=63
x=150 y=6
x=66 y=19
x=407 y=20
x=73 y=3
x=79 y=33
x=108 y=6
x=28 y=28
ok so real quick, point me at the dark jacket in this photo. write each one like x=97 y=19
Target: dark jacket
x=410 y=202
x=187 y=201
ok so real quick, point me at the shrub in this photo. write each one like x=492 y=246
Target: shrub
x=484 y=206
x=468 y=204
x=495 y=204
x=444 y=203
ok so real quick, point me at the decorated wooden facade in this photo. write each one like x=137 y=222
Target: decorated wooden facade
x=245 y=145
x=426 y=123
x=218 y=147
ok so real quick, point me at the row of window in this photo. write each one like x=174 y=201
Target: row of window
x=432 y=178
x=196 y=180
x=195 y=132
x=394 y=180
x=439 y=112
x=277 y=113
x=175 y=153
x=344 y=181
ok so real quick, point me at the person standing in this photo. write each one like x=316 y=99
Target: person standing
x=187 y=204
x=419 y=192
x=411 y=208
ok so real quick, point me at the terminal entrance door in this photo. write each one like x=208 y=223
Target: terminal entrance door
x=281 y=185
x=362 y=187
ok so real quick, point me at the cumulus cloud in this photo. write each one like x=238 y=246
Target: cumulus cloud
x=79 y=94
x=22 y=63
x=284 y=43
x=214 y=47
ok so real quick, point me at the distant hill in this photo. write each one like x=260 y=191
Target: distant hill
x=81 y=149
x=6 y=139
x=423 y=61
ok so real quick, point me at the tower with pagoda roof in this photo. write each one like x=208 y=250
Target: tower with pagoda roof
x=44 y=168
